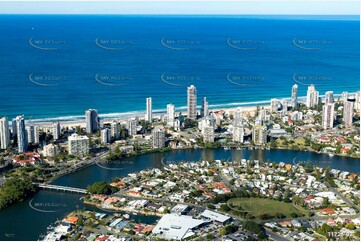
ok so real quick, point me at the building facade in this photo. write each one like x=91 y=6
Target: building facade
x=192 y=102
x=78 y=145
x=4 y=133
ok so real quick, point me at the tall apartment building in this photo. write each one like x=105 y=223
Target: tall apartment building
x=92 y=121
x=348 y=111
x=192 y=102
x=158 y=137
x=328 y=115
x=149 y=111
x=78 y=145
x=4 y=133
x=170 y=115
x=294 y=96
x=312 y=97
x=22 y=140
x=259 y=134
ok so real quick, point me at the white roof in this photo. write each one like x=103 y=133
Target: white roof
x=176 y=227
x=215 y=216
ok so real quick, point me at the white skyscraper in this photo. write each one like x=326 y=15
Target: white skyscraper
x=115 y=130
x=284 y=105
x=56 y=130
x=312 y=97
x=344 y=97
x=78 y=145
x=208 y=133
x=170 y=115
x=274 y=105
x=204 y=110
x=105 y=136
x=328 y=115
x=238 y=116
x=36 y=134
x=329 y=97
x=158 y=137
x=21 y=134
x=132 y=126
x=4 y=133
x=148 y=112
x=348 y=111
x=357 y=101
x=259 y=134
x=30 y=133
x=294 y=96
x=192 y=102
x=238 y=133
x=92 y=121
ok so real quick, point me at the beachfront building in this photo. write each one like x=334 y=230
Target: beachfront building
x=329 y=97
x=328 y=115
x=274 y=105
x=312 y=97
x=294 y=96
x=56 y=130
x=238 y=118
x=158 y=137
x=105 y=136
x=21 y=134
x=192 y=102
x=4 y=133
x=115 y=130
x=149 y=111
x=170 y=115
x=204 y=109
x=14 y=130
x=132 y=126
x=284 y=104
x=92 y=121
x=36 y=134
x=357 y=101
x=344 y=96
x=78 y=145
x=30 y=134
x=348 y=111
x=259 y=134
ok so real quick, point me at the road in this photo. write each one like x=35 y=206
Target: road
x=275 y=236
x=345 y=199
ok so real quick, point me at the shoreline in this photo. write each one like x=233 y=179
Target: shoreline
x=79 y=120
x=122 y=209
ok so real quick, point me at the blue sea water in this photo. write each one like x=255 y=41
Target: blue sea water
x=58 y=66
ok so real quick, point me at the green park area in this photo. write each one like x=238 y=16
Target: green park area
x=264 y=208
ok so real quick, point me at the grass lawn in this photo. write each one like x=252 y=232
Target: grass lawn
x=300 y=141
x=259 y=206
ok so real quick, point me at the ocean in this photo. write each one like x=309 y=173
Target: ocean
x=54 y=67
